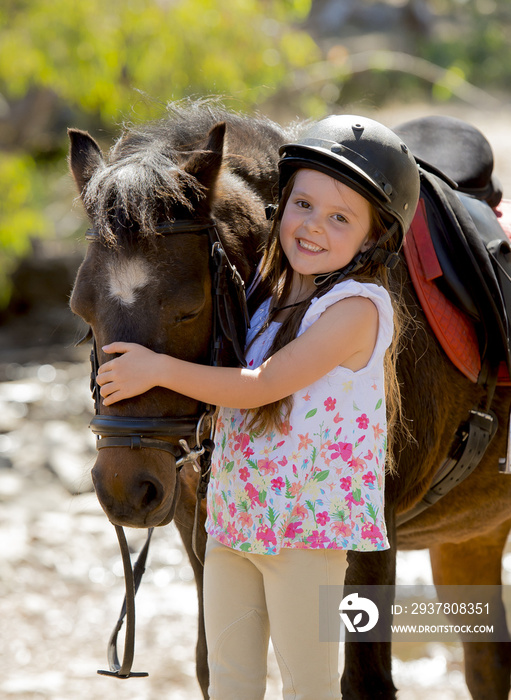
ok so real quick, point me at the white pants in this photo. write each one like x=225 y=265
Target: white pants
x=250 y=597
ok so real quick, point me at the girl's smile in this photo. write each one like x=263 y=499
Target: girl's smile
x=324 y=225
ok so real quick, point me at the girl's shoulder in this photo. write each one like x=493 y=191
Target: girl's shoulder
x=352 y=288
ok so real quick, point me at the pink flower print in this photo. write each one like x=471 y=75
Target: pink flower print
x=345 y=483
x=241 y=442
x=330 y=404
x=299 y=511
x=267 y=466
x=342 y=529
x=295 y=488
x=307 y=397
x=232 y=531
x=222 y=538
x=295 y=470
x=305 y=441
x=253 y=494
x=355 y=498
x=293 y=529
x=279 y=444
x=369 y=479
x=283 y=461
x=338 y=418
x=363 y=421
x=357 y=464
x=322 y=518
x=244 y=474
x=369 y=531
x=220 y=519
x=343 y=450
x=377 y=431
x=265 y=534
x=369 y=455
x=285 y=428
x=278 y=483
x=232 y=510
x=220 y=425
x=245 y=519
x=248 y=453
x=318 y=540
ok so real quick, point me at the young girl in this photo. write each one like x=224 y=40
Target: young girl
x=298 y=467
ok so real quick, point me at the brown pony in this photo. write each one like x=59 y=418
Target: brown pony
x=139 y=286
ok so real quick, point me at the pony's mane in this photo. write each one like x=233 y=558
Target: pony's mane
x=143 y=177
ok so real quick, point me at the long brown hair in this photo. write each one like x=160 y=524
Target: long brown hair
x=276 y=278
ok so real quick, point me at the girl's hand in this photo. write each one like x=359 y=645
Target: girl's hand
x=131 y=374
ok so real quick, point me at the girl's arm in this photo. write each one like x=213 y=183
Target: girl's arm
x=345 y=334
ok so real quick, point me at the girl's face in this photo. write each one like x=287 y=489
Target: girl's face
x=324 y=224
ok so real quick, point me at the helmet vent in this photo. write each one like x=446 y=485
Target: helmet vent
x=387 y=188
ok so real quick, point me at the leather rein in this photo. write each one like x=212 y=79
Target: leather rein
x=229 y=308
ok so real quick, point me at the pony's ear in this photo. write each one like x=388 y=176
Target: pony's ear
x=85 y=157
x=205 y=165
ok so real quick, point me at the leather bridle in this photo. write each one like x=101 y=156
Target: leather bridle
x=228 y=293
x=229 y=324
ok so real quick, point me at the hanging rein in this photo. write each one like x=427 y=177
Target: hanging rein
x=194 y=433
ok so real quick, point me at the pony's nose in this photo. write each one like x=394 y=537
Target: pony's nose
x=130 y=502
x=149 y=494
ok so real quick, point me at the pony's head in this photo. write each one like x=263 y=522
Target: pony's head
x=139 y=285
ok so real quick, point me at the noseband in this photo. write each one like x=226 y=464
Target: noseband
x=229 y=324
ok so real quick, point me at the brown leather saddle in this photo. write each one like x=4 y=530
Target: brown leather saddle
x=470 y=255
x=460 y=194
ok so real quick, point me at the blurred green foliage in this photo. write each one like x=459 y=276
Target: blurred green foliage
x=101 y=59
x=426 y=50
x=93 y=54
x=103 y=63
x=472 y=41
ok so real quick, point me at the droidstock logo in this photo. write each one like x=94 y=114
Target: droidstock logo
x=353 y=604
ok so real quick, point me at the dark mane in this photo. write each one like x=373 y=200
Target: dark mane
x=144 y=177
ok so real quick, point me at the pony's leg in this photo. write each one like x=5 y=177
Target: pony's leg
x=184 y=518
x=478 y=562
x=367 y=666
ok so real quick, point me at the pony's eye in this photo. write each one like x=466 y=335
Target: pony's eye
x=188 y=317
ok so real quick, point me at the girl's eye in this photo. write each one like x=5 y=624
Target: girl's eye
x=342 y=219
x=303 y=204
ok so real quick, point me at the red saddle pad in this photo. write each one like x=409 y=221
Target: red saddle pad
x=453 y=328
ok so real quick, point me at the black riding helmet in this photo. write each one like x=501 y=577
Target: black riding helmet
x=369 y=158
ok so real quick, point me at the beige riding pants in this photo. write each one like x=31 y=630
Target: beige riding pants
x=250 y=597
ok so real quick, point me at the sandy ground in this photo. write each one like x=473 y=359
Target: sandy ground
x=61 y=582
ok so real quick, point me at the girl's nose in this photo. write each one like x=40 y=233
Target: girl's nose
x=313 y=223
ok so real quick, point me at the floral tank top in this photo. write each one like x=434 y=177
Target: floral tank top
x=319 y=484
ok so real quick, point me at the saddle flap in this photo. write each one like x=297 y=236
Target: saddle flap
x=473 y=253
